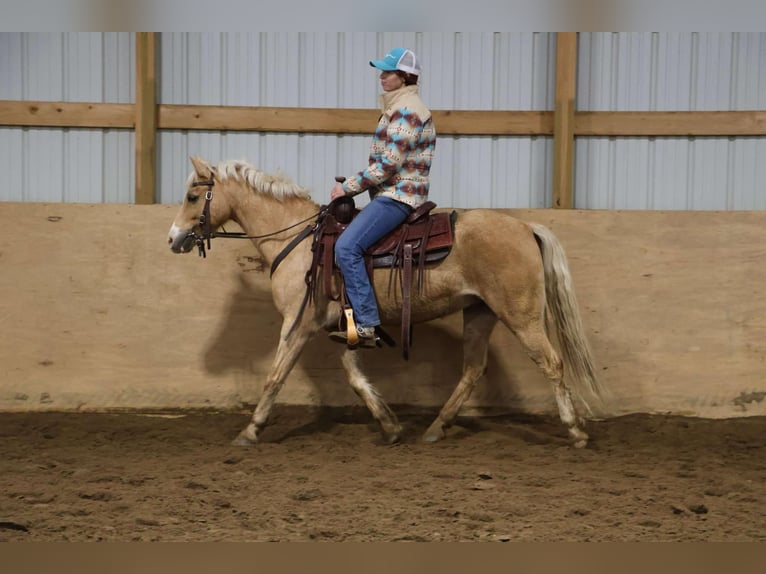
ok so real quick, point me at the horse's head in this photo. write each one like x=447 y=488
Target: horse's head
x=202 y=183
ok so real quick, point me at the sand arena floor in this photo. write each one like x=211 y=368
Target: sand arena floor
x=323 y=475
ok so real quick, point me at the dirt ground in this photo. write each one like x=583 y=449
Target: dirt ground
x=324 y=476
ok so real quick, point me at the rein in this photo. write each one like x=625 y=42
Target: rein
x=207 y=234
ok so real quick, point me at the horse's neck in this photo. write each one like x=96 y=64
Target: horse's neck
x=262 y=215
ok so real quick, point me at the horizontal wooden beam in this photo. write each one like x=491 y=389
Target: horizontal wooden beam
x=350 y=121
x=500 y=123
x=264 y=119
x=271 y=119
x=676 y=124
x=334 y=120
x=66 y=114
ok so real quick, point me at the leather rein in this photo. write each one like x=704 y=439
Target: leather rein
x=206 y=233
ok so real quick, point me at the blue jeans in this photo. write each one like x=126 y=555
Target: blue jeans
x=373 y=222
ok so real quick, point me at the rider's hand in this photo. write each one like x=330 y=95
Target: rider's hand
x=337 y=192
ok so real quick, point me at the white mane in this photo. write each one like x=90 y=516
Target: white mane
x=277 y=185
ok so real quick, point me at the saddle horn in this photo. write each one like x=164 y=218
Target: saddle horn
x=344 y=207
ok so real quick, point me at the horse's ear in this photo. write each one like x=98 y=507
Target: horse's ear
x=203 y=169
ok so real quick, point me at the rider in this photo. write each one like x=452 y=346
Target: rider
x=396 y=179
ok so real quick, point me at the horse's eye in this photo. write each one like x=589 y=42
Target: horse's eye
x=191 y=198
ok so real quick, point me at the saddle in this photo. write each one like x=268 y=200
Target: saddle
x=422 y=239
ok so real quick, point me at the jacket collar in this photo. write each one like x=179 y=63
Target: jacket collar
x=388 y=99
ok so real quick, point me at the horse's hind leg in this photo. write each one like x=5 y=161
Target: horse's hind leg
x=389 y=424
x=288 y=352
x=539 y=348
x=478 y=322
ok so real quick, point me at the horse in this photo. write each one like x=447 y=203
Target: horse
x=500 y=269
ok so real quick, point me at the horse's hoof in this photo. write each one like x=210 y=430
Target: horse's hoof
x=242 y=440
x=434 y=434
x=432 y=438
x=393 y=437
x=579 y=437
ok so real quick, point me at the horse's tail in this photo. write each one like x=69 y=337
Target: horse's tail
x=563 y=309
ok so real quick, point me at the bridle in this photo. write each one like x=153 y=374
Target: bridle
x=206 y=233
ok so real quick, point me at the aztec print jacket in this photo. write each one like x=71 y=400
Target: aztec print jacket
x=401 y=152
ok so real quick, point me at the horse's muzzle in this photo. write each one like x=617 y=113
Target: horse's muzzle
x=181 y=242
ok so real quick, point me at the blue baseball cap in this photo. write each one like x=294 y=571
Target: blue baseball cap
x=400 y=59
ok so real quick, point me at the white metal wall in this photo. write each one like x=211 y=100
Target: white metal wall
x=67 y=165
x=481 y=71
x=671 y=72
x=487 y=71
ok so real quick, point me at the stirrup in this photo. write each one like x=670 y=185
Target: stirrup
x=361 y=342
x=352 y=337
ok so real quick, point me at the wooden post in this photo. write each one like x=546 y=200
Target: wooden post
x=146 y=117
x=563 y=119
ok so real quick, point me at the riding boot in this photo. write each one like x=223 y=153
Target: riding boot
x=366 y=338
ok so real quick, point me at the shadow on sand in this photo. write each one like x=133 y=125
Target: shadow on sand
x=245 y=340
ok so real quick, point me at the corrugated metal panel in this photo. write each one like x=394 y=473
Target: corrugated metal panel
x=480 y=71
x=67 y=165
x=11 y=69
x=11 y=144
x=462 y=71
x=671 y=72
x=513 y=71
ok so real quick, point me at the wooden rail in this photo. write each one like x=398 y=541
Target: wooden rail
x=678 y=124
x=356 y=121
x=565 y=123
x=262 y=119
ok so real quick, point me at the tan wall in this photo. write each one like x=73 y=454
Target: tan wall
x=97 y=313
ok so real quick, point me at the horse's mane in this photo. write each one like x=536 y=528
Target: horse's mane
x=278 y=185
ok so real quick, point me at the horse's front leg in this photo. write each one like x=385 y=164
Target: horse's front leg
x=389 y=424
x=287 y=354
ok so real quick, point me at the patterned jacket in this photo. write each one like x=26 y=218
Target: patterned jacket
x=401 y=152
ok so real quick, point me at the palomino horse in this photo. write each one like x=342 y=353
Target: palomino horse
x=500 y=268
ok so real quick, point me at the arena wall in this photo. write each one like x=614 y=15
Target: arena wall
x=98 y=314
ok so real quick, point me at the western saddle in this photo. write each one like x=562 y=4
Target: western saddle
x=423 y=238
